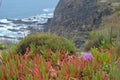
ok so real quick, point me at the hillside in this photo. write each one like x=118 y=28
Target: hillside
x=74 y=19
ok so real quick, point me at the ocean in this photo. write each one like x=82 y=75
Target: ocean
x=25 y=8
x=18 y=18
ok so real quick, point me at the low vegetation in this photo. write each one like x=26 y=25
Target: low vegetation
x=107 y=35
x=103 y=38
x=43 y=42
x=96 y=65
x=2 y=46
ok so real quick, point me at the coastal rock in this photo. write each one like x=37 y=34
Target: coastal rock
x=74 y=19
x=16 y=29
x=1 y=26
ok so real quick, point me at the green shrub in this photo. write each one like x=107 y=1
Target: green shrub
x=108 y=34
x=103 y=38
x=2 y=46
x=44 y=42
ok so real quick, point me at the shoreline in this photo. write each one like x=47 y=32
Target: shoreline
x=17 y=29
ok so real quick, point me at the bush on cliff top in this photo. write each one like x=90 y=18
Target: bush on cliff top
x=104 y=38
x=107 y=34
x=44 y=42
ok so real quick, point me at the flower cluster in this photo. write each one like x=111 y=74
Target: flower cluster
x=88 y=57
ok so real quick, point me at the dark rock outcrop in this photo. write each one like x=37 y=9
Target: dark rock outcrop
x=74 y=19
x=46 y=25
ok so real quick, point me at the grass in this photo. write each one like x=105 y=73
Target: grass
x=108 y=34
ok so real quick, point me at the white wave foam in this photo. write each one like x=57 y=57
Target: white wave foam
x=22 y=30
x=48 y=9
x=4 y=21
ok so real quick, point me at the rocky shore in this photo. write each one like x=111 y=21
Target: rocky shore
x=15 y=29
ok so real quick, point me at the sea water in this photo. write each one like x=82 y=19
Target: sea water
x=25 y=8
x=18 y=17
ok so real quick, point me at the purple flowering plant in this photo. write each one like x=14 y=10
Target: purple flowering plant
x=88 y=57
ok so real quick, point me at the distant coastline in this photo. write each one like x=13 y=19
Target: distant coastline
x=15 y=29
x=18 y=19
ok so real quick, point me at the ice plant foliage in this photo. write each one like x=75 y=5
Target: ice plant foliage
x=97 y=65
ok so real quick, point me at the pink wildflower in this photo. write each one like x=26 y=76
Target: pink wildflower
x=88 y=57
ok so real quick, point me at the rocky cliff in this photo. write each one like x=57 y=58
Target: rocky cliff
x=74 y=19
